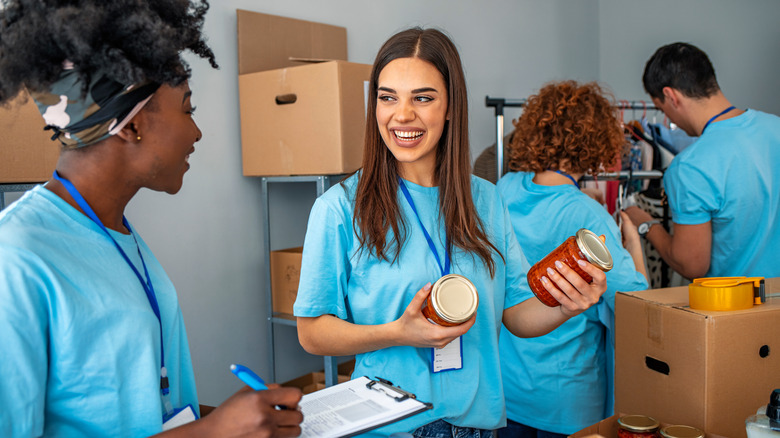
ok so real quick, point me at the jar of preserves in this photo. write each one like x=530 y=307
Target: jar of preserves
x=680 y=431
x=637 y=426
x=584 y=245
x=453 y=301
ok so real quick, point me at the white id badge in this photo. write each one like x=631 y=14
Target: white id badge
x=448 y=358
x=179 y=417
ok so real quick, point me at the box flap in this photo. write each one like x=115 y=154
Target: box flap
x=268 y=42
x=27 y=154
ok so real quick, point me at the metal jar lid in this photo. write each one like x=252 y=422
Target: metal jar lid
x=638 y=423
x=680 y=431
x=594 y=249
x=454 y=298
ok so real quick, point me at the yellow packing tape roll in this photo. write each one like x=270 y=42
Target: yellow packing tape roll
x=722 y=293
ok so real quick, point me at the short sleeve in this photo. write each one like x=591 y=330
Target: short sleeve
x=325 y=263
x=517 y=266
x=693 y=196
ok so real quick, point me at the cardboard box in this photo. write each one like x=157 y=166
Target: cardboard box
x=298 y=119
x=285 y=274
x=706 y=369
x=27 y=154
x=311 y=382
x=608 y=428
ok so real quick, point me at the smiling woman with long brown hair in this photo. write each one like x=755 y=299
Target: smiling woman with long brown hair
x=414 y=214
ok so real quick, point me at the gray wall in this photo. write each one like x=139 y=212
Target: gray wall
x=741 y=38
x=209 y=236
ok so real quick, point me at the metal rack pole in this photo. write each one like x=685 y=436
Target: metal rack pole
x=267 y=251
x=625 y=174
x=498 y=104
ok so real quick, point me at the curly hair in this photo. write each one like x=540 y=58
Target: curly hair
x=129 y=41
x=567 y=123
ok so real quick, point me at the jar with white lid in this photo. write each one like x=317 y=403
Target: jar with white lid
x=453 y=301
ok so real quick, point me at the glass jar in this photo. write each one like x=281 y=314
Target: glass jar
x=680 y=431
x=584 y=245
x=766 y=422
x=637 y=426
x=453 y=301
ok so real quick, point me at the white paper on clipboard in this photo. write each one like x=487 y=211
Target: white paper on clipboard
x=355 y=407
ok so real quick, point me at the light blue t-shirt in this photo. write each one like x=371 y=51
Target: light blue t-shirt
x=563 y=381
x=731 y=177
x=337 y=279
x=80 y=352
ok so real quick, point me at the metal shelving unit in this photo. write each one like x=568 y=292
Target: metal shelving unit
x=322 y=183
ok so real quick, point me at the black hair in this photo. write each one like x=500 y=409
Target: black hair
x=129 y=41
x=681 y=66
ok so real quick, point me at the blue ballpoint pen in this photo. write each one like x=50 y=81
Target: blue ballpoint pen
x=249 y=377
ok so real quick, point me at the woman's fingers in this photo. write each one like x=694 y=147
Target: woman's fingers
x=571 y=290
x=416 y=330
x=419 y=297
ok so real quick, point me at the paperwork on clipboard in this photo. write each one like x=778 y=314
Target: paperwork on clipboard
x=355 y=407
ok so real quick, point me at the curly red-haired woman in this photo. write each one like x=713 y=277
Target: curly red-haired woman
x=566 y=130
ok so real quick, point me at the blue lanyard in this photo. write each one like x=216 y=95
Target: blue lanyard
x=446 y=269
x=576 y=184
x=147 y=285
x=716 y=116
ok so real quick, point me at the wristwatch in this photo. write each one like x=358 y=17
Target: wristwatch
x=644 y=227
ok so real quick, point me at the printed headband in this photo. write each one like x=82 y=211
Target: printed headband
x=80 y=119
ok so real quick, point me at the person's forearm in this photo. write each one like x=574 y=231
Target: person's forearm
x=531 y=318
x=638 y=256
x=663 y=243
x=328 y=335
x=195 y=429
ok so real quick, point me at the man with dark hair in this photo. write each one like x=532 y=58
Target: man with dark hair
x=724 y=189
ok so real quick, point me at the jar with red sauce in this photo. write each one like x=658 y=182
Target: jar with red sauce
x=637 y=426
x=453 y=300
x=584 y=245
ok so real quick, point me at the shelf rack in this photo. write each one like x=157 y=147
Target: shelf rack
x=322 y=183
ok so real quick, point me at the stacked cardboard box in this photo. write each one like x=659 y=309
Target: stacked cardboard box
x=28 y=154
x=299 y=115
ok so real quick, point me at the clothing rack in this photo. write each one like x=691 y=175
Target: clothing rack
x=499 y=103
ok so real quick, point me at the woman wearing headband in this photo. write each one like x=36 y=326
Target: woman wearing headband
x=93 y=337
x=411 y=215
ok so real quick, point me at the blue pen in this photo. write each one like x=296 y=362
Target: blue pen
x=249 y=377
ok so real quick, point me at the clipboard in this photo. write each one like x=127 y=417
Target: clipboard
x=356 y=407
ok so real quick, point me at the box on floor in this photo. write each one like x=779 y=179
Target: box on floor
x=315 y=381
x=298 y=119
x=608 y=428
x=28 y=155
x=705 y=369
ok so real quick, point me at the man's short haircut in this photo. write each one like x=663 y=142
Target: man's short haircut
x=681 y=66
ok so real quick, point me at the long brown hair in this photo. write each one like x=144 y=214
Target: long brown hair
x=376 y=200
